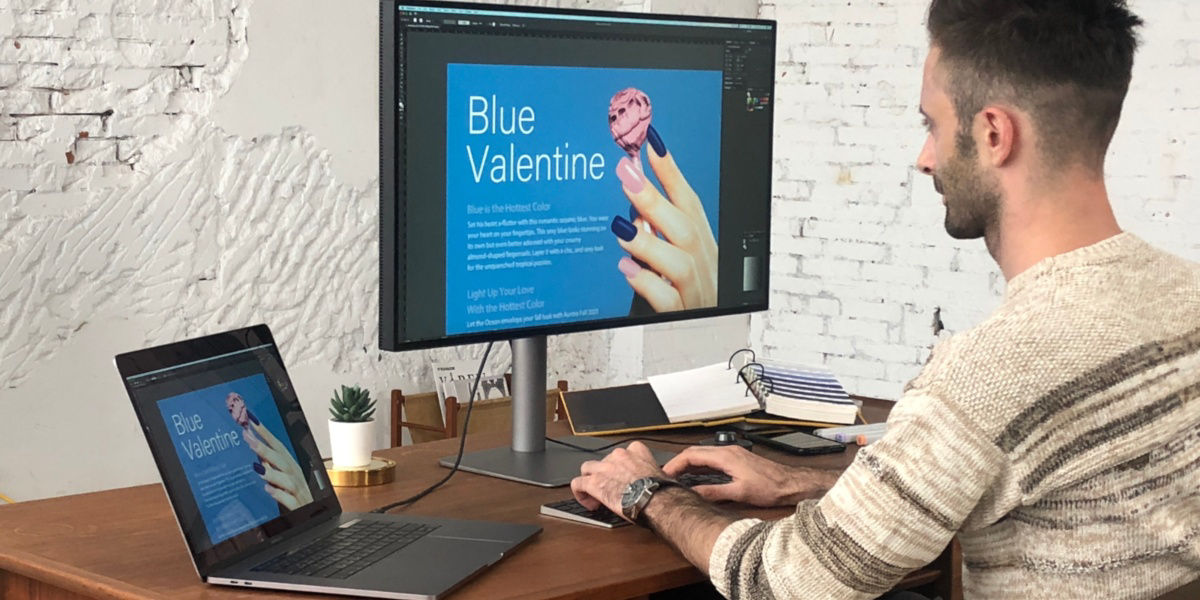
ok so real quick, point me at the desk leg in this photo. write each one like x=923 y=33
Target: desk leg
x=949 y=584
x=19 y=587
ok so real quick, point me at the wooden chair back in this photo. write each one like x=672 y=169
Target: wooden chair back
x=422 y=416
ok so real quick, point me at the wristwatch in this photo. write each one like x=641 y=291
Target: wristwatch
x=638 y=495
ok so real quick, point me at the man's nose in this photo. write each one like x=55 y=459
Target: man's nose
x=925 y=159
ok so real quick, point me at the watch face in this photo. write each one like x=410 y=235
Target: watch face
x=632 y=493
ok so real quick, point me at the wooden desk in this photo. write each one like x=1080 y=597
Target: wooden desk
x=125 y=543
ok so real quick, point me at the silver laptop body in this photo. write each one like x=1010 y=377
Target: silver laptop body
x=204 y=405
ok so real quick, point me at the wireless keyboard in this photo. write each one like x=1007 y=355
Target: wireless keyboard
x=571 y=510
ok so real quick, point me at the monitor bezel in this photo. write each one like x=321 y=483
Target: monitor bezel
x=389 y=185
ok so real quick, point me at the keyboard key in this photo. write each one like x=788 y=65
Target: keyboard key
x=347 y=551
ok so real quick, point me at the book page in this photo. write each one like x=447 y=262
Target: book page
x=700 y=394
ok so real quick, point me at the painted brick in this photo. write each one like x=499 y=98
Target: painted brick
x=15 y=179
x=854 y=367
x=888 y=353
x=857 y=251
x=888 y=312
x=58 y=127
x=824 y=306
x=25 y=102
x=832 y=269
x=898 y=274
x=854 y=328
x=96 y=150
x=49 y=204
x=9 y=75
x=20 y=153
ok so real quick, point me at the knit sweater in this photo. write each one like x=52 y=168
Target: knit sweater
x=1059 y=440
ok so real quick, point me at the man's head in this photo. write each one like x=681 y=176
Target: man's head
x=1031 y=84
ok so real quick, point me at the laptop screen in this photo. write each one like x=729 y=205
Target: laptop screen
x=236 y=454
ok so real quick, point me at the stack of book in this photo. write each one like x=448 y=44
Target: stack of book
x=800 y=392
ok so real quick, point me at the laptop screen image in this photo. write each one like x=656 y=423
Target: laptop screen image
x=238 y=460
x=215 y=431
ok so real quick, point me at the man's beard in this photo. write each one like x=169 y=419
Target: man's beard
x=972 y=199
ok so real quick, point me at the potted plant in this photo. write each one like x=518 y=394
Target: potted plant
x=351 y=435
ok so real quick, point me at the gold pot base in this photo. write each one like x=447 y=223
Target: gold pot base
x=378 y=472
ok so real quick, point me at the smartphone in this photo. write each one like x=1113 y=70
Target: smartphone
x=797 y=442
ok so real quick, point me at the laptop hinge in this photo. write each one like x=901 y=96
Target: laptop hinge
x=319 y=520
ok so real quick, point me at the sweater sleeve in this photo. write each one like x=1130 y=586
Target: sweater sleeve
x=893 y=511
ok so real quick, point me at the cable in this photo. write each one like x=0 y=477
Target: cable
x=619 y=442
x=7 y=499
x=462 y=441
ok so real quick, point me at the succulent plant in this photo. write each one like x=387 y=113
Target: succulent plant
x=354 y=405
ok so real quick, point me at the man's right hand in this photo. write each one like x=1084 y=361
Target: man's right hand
x=756 y=480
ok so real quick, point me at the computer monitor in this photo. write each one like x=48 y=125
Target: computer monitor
x=546 y=171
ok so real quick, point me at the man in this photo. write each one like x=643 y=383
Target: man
x=1060 y=438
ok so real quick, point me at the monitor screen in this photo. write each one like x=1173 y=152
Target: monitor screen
x=546 y=171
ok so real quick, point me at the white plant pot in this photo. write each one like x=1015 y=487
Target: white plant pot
x=351 y=443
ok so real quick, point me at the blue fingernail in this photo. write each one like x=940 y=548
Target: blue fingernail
x=656 y=142
x=258 y=468
x=633 y=213
x=623 y=228
x=252 y=417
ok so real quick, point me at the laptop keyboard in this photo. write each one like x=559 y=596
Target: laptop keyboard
x=572 y=510
x=348 y=550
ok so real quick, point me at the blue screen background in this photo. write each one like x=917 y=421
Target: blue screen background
x=243 y=503
x=571 y=109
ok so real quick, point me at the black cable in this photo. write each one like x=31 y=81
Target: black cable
x=462 y=441
x=619 y=442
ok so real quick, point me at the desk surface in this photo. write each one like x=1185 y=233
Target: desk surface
x=125 y=543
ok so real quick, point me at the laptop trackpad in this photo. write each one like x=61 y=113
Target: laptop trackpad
x=437 y=562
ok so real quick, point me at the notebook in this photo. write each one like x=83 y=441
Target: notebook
x=800 y=392
x=708 y=396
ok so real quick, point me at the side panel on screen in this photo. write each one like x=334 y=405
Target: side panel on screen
x=532 y=190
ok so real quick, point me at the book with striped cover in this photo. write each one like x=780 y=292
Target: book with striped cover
x=799 y=392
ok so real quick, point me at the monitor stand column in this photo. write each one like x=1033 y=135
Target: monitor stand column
x=530 y=459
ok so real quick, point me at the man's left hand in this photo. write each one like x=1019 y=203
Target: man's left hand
x=602 y=482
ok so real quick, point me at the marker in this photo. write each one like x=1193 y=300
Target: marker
x=849 y=434
x=864 y=439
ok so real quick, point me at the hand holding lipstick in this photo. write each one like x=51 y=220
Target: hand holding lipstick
x=682 y=269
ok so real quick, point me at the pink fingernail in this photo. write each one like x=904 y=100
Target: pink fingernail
x=629 y=175
x=628 y=267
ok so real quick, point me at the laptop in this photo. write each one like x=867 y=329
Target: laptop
x=248 y=487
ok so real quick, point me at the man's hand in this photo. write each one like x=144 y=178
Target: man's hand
x=756 y=480
x=604 y=481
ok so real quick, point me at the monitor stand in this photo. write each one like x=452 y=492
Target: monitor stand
x=530 y=459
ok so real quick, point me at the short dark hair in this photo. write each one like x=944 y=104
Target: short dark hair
x=1066 y=62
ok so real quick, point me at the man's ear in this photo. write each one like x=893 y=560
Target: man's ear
x=998 y=131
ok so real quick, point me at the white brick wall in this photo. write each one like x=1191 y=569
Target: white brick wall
x=130 y=215
x=861 y=261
